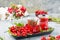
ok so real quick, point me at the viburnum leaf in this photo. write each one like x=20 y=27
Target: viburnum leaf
x=50 y=29
x=19 y=24
x=9 y=31
x=41 y=30
x=1 y=38
x=52 y=38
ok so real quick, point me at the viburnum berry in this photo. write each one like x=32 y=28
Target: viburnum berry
x=36 y=29
x=40 y=12
x=19 y=29
x=23 y=32
x=18 y=33
x=12 y=29
x=10 y=10
x=29 y=29
x=57 y=37
x=48 y=38
x=23 y=9
x=37 y=12
x=17 y=10
x=51 y=38
x=43 y=38
x=14 y=34
x=19 y=14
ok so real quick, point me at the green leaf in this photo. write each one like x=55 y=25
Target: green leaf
x=9 y=31
x=41 y=30
x=19 y=24
x=52 y=38
x=50 y=29
x=1 y=38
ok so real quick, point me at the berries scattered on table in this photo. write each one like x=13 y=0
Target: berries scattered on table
x=43 y=38
x=51 y=37
x=57 y=37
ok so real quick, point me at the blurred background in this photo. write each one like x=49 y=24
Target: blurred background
x=52 y=6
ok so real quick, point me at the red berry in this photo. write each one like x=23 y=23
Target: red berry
x=19 y=29
x=10 y=10
x=19 y=14
x=12 y=28
x=36 y=29
x=43 y=38
x=37 y=13
x=17 y=10
x=23 y=31
x=48 y=38
x=13 y=31
x=23 y=9
x=58 y=37
x=40 y=12
x=18 y=33
x=29 y=29
x=24 y=34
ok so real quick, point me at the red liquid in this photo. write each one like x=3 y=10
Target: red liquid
x=43 y=19
x=44 y=23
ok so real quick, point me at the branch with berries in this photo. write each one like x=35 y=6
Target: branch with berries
x=17 y=11
x=51 y=37
x=40 y=12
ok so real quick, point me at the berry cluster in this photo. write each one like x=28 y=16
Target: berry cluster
x=18 y=11
x=23 y=31
x=29 y=29
x=51 y=38
x=18 y=31
x=39 y=12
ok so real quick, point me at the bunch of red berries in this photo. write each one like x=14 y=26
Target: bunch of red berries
x=23 y=31
x=18 y=11
x=51 y=38
x=18 y=31
x=39 y=12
